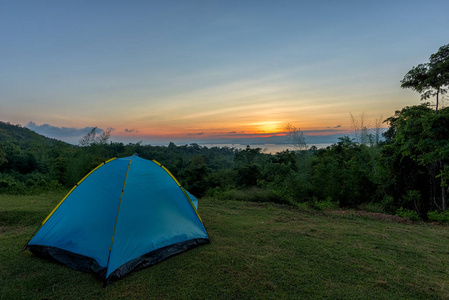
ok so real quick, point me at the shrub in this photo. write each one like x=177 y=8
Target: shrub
x=326 y=204
x=409 y=214
x=440 y=217
x=26 y=184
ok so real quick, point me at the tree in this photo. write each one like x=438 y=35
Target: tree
x=91 y=137
x=360 y=129
x=296 y=137
x=418 y=134
x=377 y=129
x=194 y=176
x=344 y=173
x=430 y=79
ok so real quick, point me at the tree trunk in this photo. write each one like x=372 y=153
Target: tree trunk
x=443 y=196
x=434 y=185
x=436 y=106
x=443 y=189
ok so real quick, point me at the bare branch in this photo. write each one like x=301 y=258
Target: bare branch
x=296 y=137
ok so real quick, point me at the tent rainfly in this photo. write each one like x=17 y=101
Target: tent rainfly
x=126 y=214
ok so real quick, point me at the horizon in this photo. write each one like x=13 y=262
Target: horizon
x=279 y=141
x=202 y=71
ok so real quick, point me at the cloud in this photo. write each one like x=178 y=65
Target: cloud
x=232 y=132
x=131 y=130
x=198 y=133
x=70 y=135
x=60 y=132
x=335 y=127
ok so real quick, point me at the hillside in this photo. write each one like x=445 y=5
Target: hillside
x=257 y=251
x=24 y=137
x=30 y=162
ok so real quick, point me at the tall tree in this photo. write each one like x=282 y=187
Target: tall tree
x=430 y=79
x=360 y=129
x=418 y=134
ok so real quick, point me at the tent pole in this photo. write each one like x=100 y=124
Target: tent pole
x=118 y=210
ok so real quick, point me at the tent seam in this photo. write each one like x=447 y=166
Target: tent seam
x=118 y=211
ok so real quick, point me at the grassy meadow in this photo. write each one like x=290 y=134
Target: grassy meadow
x=257 y=250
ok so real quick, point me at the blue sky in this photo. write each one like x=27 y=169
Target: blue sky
x=182 y=70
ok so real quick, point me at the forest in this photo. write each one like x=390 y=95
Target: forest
x=405 y=173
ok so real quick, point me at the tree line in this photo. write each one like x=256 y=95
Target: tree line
x=408 y=170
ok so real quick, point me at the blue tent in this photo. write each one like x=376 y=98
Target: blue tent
x=126 y=214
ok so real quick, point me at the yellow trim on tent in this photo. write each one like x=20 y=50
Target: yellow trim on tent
x=63 y=199
x=191 y=203
x=177 y=182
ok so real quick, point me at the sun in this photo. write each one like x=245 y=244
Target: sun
x=266 y=127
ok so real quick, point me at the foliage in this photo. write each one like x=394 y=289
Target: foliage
x=345 y=173
x=417 y=154
x=430 y=79
x=326 y=204
x=440 y=217
x=27 y=160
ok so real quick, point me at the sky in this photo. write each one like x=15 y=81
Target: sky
x=210 y=71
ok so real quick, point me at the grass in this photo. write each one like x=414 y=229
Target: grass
x=257 y=250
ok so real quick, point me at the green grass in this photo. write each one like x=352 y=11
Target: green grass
x=257 y=250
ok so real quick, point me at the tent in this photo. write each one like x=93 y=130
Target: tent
x=126 y=214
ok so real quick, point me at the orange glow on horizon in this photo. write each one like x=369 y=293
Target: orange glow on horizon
x=218 y=129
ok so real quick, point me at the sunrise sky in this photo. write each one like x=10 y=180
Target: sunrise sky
x=163 y=71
